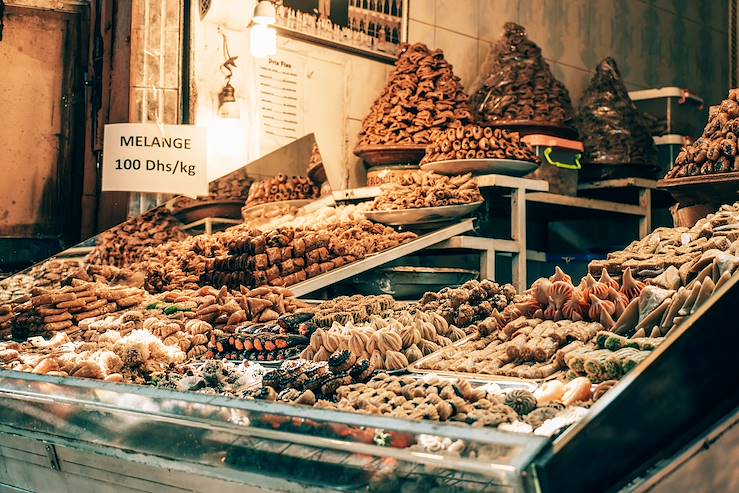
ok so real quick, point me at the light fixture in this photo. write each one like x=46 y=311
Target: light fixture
x=263 y=37
x=228 y=106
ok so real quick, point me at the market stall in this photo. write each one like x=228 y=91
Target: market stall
x=422 y=331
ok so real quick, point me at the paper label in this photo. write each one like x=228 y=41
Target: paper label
x=147 y=157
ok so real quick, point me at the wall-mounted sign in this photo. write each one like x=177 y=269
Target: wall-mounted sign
x=147 y=157
x=281 y=81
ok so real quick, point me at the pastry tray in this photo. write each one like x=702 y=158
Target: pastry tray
x=421 y=215
x=381 y=154
x=483 y=377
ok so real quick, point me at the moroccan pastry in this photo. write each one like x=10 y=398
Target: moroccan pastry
x=421 y=94
x=715 y=152
x=342 y=361
x=426 y=189
x=476 y=142
x=521 y=401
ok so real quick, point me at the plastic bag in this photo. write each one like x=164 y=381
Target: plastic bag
x=611 y=127
x=516 y=84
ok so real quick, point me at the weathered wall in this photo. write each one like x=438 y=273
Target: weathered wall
x=655 y=42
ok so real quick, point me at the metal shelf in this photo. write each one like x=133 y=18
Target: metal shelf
x=381 y=258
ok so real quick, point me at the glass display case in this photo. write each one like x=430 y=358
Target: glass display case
x=260 y=443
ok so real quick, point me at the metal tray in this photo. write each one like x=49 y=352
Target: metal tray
x=512 y=167
x=414 y=368
x=284 y=203
x=422 y=215
x=503 y=382
x=411 y=282
x=380 y=154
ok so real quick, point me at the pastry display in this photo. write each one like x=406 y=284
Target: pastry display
x=282 y=187
x=422 y=94
x=473 y=301
x=280 y=338
x=556 y=298
x=612 y=128
x=716 y=150
x=652 y=256
x=114 y=358
x=476 y=142
x=214 y=377
x=225 y=310
x=304 y=382
x=287 y=256
x=523 y=348
x=517 y=85
x=285 y=216
x=61 y=310
x=355 y=309
x=123 y=245
x=609 y=360
x=388 y=343
x=233 y=186
x=425 y=189
x=436 y=399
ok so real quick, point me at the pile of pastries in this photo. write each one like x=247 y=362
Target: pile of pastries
x=422 y=94
x=516 y=84
x=124 y=245
x=305 y=382
x=282 y=187
x=716 y=150
x=612 y=128
x=471 y=302
x=653 y=255
x=286 y=216
x=436 y=399
x=266 y=340
x=287 y=256
x=476 y=142
x=389 y=343
x=355 y=309
x=233 y=186
x=523 y=348
x=61 y=310
x=609 y=358
x=426 y=189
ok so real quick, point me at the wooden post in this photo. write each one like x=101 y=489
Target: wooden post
x=645 y=202
x=518 y=233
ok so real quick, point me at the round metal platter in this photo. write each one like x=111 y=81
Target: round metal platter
x=421 y=215
x=510 y=167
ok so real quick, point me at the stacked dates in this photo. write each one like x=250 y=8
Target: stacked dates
x=716 y=150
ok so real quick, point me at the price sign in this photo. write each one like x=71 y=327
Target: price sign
x=146 y=157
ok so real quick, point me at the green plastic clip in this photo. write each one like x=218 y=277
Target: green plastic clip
x=548 y=156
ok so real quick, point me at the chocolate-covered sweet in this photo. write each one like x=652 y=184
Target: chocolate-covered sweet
x=516 y=84
x=611 y=127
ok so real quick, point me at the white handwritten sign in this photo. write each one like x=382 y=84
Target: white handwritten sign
x=280 y=81
x=146 y=157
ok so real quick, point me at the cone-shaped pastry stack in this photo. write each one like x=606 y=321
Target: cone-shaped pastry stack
x=612 y=129
x=517 y=85
x=422 y=94
x=716 y=150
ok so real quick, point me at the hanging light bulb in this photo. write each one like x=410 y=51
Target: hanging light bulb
x=263 y=37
